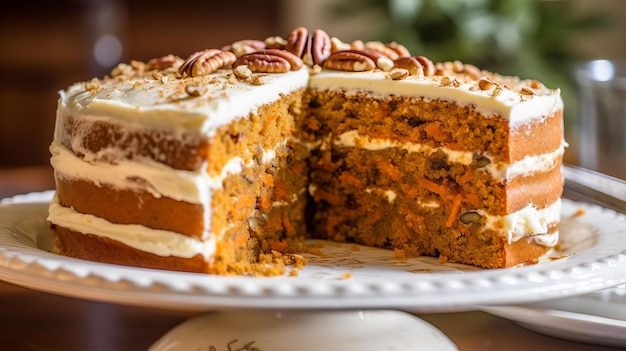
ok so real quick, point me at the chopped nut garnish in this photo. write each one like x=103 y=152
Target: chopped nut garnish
x=260 y=79
x=445 y=81
x=485 y=84
x=93 y=84
x=157 y=75
x=242 y=72
x=195 y=90
x=315 y=69
x=497 y=91
x=527 y=91
x=399 y=73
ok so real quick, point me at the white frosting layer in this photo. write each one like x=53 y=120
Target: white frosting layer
x=510 y=104
x=498 y=170
x=528 y=220
x=147 y=175
x=165 y=104
x=158 y=242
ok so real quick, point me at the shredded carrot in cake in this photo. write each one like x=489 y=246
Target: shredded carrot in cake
x=432 y=186
x=435 y=132
x=389 y=169
x=456 y=206
x=349 y=179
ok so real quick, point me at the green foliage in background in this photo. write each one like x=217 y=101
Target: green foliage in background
x=527 y=38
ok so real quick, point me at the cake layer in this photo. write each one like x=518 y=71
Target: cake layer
x=431 y=123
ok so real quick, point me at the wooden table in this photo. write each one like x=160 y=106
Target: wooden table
x=38 y=321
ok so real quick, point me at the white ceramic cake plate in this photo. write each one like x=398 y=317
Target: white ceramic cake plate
x=304 y=331
x=595 y=318
x=591 y=257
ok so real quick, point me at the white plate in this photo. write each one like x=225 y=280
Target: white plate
x=590 y=257
x=305 y=331
x=595 y=318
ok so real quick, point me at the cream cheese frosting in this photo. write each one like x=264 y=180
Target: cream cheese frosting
x=166 y=104
x=499 y=170
x=518 y=108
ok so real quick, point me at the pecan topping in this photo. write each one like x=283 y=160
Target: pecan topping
x=411 y=64
x=206 y=62
x=472 y=71
x=485 y=84
x=338 y=45
x=195 y=90
x=400 y=49
x=296 y=41
x=350 y=60
x=275 y=42
x=398 y=73
x=269 y=61
x=161 y=63
x=427 y=65
x=242 y=47
x=242 y=72
x=382 y=48
x=320 y=47
x=383 y=62
x=357 y=45
x=417 y=66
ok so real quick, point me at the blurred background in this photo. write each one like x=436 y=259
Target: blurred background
x=47 y=45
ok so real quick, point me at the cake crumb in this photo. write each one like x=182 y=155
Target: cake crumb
x=579 y=212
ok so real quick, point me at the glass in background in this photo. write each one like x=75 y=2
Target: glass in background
x=602 y=116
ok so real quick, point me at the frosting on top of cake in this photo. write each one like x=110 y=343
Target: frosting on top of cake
x=199 y=104
x=510 y=103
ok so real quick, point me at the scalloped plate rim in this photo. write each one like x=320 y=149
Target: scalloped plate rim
x=602 y=266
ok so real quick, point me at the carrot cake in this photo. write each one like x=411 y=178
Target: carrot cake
x=226 y=161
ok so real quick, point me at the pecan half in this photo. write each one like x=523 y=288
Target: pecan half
x=275 y=42
x=427 y=65
x=350 y=60
x=206 y=62
x=246 y=46
x=294 y=61
x=411 y=64
x=382 y=48
x=264 y=62
x=161 y=63
x=296 y=41
x=417 y=66
x=320 y=46
x=383 y=62
x=400 y=49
